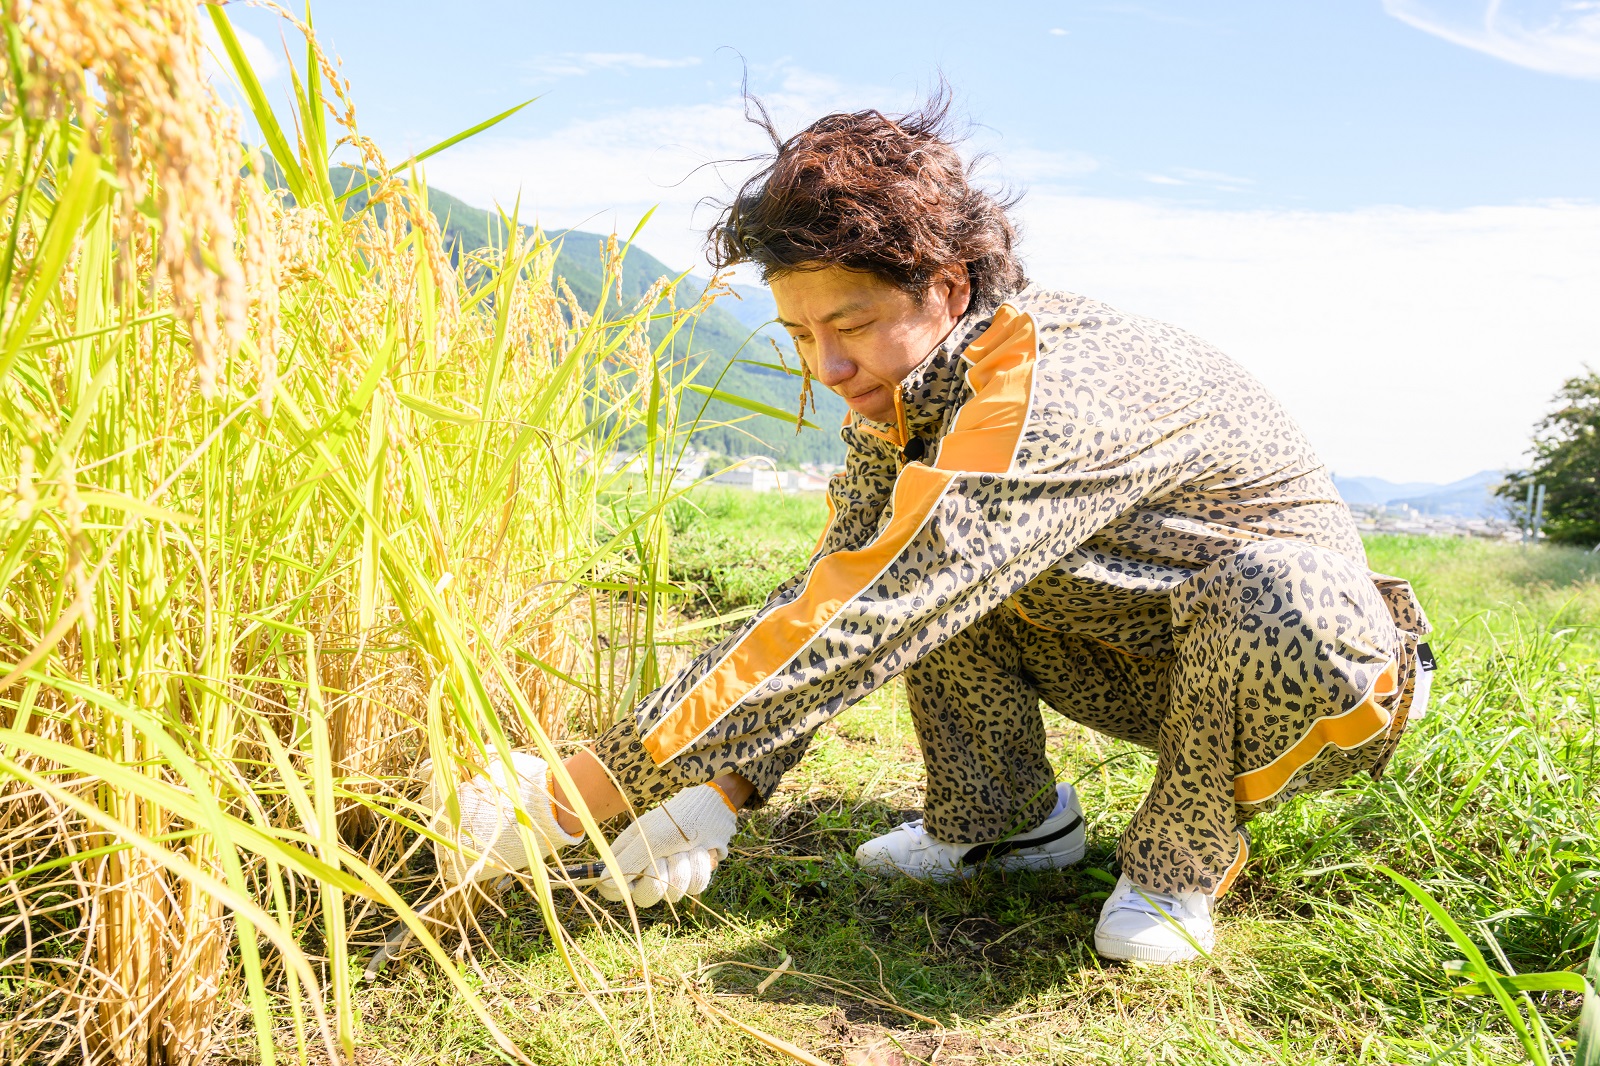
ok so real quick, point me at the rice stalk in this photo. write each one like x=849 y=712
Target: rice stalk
x=291 y=498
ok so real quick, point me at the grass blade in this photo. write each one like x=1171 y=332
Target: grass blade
x=1477 y=966
x=1588 y=1051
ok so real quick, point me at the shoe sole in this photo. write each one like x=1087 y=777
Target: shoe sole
x=1072 y=835
x=1124 y=951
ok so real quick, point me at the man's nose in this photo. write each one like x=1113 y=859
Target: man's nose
x=833 y=368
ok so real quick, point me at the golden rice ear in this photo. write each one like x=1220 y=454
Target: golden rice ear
x=805 y=395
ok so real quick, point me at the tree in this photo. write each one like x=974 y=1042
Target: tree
x=1566 y=460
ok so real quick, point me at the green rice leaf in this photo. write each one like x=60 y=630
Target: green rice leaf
x=436 y=411
x=749 y=405
x=116 y=501
x=791 y=371
x=260 y=110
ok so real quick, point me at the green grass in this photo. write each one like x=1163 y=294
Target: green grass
x=732 y=547
x=1321 y=957
x=1472 y=587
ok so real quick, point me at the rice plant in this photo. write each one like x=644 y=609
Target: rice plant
x=291 y=498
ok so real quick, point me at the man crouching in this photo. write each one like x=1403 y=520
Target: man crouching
x=1045 y=500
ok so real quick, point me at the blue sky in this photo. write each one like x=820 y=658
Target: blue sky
x=1387 y=210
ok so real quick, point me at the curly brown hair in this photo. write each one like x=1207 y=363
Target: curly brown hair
x=866 y=191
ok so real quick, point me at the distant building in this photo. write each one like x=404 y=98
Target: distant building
x=689 y=468
x=756 y=473
x=1401 y=517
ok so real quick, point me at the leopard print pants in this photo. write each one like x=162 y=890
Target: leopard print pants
x=1279 y=652
x=1269 y=642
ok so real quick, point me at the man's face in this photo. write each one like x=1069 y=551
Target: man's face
x=861 y=335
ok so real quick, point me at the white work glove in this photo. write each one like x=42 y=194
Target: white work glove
x=489 y=820
x=670 y=852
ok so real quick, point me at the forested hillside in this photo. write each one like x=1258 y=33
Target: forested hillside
x=718 y=334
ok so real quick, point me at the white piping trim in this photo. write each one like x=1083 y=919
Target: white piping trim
x=1033 y=383
x=968 y=345
x=833 y=520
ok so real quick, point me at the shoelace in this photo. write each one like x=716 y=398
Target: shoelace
x=1157 y=903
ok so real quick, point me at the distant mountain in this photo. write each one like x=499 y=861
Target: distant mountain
x=721 y=335
x=1471 y=497
x=1375 y=490
x=754 y=306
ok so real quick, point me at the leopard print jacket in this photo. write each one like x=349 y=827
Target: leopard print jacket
x=1076 y=464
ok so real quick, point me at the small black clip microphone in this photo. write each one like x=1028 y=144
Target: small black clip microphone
x=914 y=450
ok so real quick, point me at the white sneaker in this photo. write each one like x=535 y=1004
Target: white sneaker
x=1138 y=925
x=909 y=851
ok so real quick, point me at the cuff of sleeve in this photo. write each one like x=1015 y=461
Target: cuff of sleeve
x=765 y=773
x=725 y=799
x=646 y=784
x=552 y=826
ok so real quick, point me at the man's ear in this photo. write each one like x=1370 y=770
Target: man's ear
x=960 y=291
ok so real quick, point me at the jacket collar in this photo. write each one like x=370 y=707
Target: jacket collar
x=925 y=394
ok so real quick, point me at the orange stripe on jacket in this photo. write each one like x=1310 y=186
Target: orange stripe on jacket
x=984 y=440
x=1348 y=731
x=989 y=426
x=835 y=580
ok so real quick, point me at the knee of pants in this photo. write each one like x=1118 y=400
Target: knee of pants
x=1301 y=630
x=1292 y=585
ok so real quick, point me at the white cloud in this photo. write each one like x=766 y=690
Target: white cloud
x=267 y=64
x=635 y=61
x=1214 y=178
x=1037 y=166
x=572 y=64
x=1211 y=179
x=1553 y=36
x=606 y=172
x=1417 y=345
x=1057 y=31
